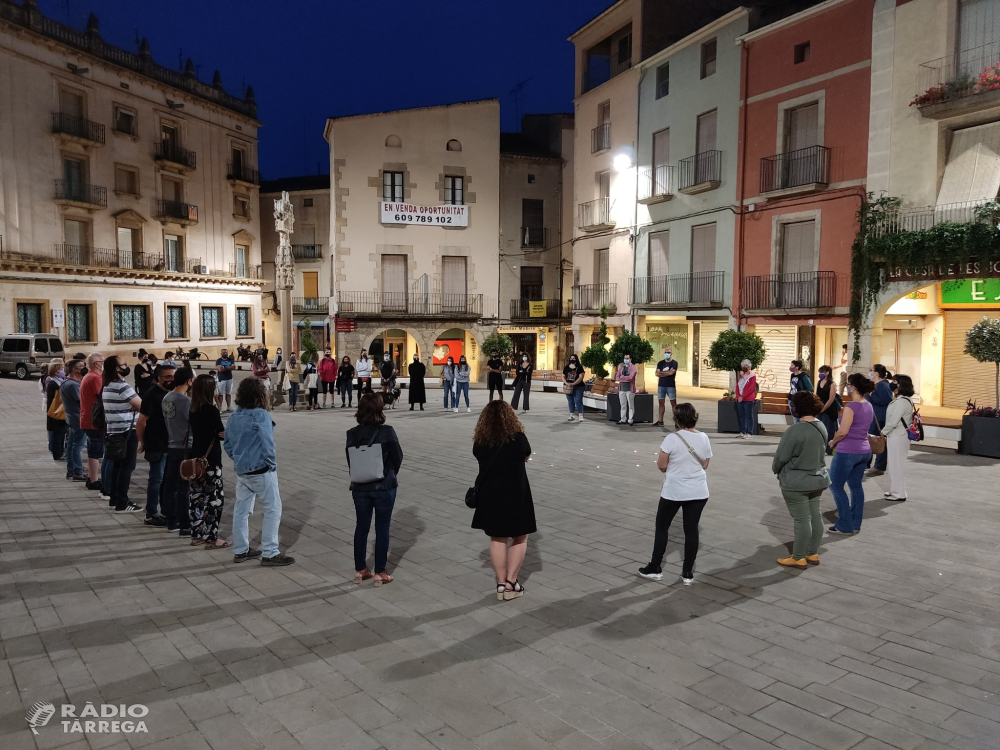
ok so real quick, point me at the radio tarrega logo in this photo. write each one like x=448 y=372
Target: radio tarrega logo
x=39 y=714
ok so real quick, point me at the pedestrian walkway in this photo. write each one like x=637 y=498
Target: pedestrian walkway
x=893 y=642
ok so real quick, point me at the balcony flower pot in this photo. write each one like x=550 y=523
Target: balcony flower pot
x=980 y=436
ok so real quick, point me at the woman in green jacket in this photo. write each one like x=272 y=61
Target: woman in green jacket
x=800 y=463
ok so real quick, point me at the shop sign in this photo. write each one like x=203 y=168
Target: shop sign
x=518 y=329
x=972 y=269
x=408 y=213
x=344 y=325
x=970 y=293
x=537 y=309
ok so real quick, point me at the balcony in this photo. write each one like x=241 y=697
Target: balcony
x=77 y=129
x=541 y=309
x=242 y=173
x=311 y=305
x=962 y=83
x=170 y=154
x=307 y=252
x=603 y=70
x=928 y=217
x=244 y=271
x=656 y=185
x=82 y=259
x=409 y=305
x=595 y=215
x=795 y=172
x=811 y=290
x=72 y=193
x=535 y=238
x=700 y=173
x=175 y=212
x=600 y=138
x=683 y=290
x=590 y=298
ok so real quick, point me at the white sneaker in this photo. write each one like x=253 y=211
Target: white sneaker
x=572 y=418
x=621 y=421
x=468 y=410
x=630 y=421
x=455 y=410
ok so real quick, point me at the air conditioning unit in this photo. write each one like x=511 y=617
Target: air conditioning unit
x=202 y=270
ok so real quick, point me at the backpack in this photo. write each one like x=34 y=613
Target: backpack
x=915 y=431
x=97 y=415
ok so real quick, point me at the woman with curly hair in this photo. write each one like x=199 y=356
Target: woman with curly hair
x=504 y=509
x=207 y=494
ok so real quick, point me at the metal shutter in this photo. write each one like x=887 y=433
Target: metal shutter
x=711 y=378
x=973 y=169
x=965 y=379
x=780 y=343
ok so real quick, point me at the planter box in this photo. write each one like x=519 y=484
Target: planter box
x=980 y=437
x=728 y=419
x=643 y=407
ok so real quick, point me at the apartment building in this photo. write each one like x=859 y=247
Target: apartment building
x=414 y=216
x=127 y=195
x=934 y=140
x=311 y=251
x=536 y=215
x=686 y=183
x=803 y=159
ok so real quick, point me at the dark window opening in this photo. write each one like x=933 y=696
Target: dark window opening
x=801 y=52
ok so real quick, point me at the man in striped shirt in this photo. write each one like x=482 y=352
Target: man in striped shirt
x=121 y=406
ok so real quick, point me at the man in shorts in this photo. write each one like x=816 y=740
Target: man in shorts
x=90 y=391
x=224 y=387
x=666 y=371
x=494 y=380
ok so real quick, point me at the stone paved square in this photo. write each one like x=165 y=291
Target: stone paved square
x=893 y=642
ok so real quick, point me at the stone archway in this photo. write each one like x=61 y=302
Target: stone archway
x=870 y=341
x=479 y=333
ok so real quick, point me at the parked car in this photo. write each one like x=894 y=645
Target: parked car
x=22 y=353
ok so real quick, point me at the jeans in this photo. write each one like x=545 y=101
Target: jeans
x=57 y=442
x=626 y=402
x=346 y=391
x=829 y=421
x=448 y=387
x=75 y=438
x=849 y=468
x=249 y=487
x=519 y=388
x=381 y=502
x=293 y=394
x=664 y=516
x=575 y=400
x=744 y=410
x=792 y=412
x=461 y=388
x=107 y=474
x=804 y=510
x=174 y=498
x=123 y=472
x=154 y=485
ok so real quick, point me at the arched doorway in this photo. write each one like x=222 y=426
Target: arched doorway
x=456 y=342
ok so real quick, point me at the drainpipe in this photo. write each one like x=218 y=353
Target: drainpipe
x=738 y=268
x=635 y=197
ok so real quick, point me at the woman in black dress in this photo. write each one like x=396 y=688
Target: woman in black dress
x=207 y=494
x=504 y=509
x=418 y=393
x=826 y=390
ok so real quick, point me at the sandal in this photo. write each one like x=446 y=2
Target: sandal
x=516 y=591
x=219 y=544
x=501 y=590
x=363 y=575
x=196 y=542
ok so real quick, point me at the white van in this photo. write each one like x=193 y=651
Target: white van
x=22 y=353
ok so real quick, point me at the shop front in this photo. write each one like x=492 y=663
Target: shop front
x=689 y=341
x=815 y=342
x=538 y=342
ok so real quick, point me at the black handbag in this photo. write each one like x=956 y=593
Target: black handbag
x=472 y=494
x=116 y=445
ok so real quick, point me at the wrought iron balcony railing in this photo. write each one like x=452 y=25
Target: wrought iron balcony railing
x=311 y=305
x=700 y=172
x=592 y=297
x=927 y=217
x=656 y=184
x=958 y=76
x=600 y=138
x=705 y=288
x=242 y=173
x=525 y=309
x=244 y=271
x=414 y=304
x=184 y=212
x=77 y=127
x=79 y=192
x=790 y=291
x=804 y=167
x=171 y=152
x=595 y=214
x=307 y=252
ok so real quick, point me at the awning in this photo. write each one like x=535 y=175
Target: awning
x=973 y=169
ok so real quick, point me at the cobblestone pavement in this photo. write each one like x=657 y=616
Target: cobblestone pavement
x=893 y=642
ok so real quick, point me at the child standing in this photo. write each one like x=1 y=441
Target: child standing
x=312 y=385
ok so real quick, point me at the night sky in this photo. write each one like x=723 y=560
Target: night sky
x=308 y=60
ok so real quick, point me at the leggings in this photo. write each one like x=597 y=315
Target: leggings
x=313 y=393
x=664 y=516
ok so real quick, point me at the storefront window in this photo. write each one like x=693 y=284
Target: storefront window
x=674 y=335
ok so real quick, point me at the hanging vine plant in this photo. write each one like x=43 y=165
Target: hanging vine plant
x=882 y=244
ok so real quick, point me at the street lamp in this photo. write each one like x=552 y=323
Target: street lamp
x=622 y=162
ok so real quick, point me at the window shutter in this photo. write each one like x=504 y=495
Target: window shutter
x=803 y=127
x=659 y=246
x=661 y=148
x=797 y=251
x=703 y=248
x=602 y=265
x=973 y=169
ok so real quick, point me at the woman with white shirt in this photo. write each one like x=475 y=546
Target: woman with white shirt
x=898 y=419
x=363 y=368
x=684 y=457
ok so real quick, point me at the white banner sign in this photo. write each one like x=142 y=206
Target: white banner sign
x=407 y=213
x=58 y=317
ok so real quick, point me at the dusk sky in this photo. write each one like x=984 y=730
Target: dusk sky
x=308 y=60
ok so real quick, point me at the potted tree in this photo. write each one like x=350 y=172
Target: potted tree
x=500 y=343
x=640 y=351
x=981 y=425
x=308 y=345
x=727 y=353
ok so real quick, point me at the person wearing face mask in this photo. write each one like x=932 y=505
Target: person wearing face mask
x=852 y=455
x=746 y=395
x=293 y=371
x=56 y=425
x=462 y=374
x=364 y=370
x=625 y=375
x=573 y=388
x=144 y=372
x=666 y=371
x=448 y=383
x=799 y=381
x=494 y=377
x=418 y=391
x=345 y=382
x=879 y=398
x=830 y=398
x=328 y=376
x=522 y=382
x=387 y=371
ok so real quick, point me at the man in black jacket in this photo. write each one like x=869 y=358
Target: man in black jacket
x=152 y=433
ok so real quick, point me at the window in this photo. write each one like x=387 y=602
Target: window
x=70 y=103
x=129 y=246
x=798 y=248
x=211 y=322
x=242 y=260
x=176 y=322
x=74 y=178
x=16 y=345
x=307 y=202
x=661 y=149
x=663 y=80
x=603 y=184
x=708 y=52
x=454 y=194
x=78 y=323
x=531 y=282
x=241 y=207
x=454 y=283
x=239 y=159
x=801 y=53
x=393 y=283
x=532 y=222
x=602 y=269
x=243 y=321
x=130 y=322
x=802 y=129
x=453 y=145
x=125 y=121
x=703 y=248
x=392 y=186
x=126 y=180
x=170 y=137
x=531 y=179
x=77 y=234
x=173 y=253
x=706 y=167
x=659 y=247
x=29 y=317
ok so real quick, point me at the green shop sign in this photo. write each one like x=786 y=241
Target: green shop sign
x=970 y=293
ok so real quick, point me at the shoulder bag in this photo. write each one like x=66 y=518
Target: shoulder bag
x=56 y=408
x=116 y=447
x=195 y=468
x=701 y=461
x=472 y=494
x=877 y=442
x=366 y=461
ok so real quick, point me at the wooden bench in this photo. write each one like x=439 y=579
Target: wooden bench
x=773 y=402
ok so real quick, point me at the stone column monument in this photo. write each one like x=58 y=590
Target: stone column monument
x=284 y=269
